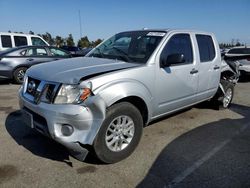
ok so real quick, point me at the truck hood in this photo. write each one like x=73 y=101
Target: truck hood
x=71 y=71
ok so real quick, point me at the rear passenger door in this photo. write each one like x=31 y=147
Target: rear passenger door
x=209 y=67
x=36 y=55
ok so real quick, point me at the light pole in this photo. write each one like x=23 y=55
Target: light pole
x=80 y=23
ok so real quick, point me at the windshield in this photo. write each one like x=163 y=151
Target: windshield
x=135 y=46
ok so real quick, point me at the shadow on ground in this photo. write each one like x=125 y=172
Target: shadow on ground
x=38 y=144
x=34 y=141
x=213 y=155
x=244 y=78
x=6 y=82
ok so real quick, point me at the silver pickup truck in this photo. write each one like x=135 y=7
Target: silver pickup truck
x=105 y=99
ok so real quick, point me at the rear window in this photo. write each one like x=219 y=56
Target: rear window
x=20 y=41
x=206 y=48
x=6 y=41
x=239 y=51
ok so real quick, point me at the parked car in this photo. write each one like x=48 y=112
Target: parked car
x=85 y=51
x=105 y=99
x=245 y=61
x=75 y=51
x=15 y=61
x=11 y=40
x=224 y=51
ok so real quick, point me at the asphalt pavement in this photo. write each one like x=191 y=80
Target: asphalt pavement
x=198 y=147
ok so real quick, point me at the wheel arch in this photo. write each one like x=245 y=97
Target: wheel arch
x=139 y=103
x=129 y=91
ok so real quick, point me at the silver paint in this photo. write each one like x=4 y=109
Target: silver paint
x=163 y=90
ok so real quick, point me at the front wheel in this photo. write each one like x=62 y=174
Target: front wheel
x=119 y=134
x=18 y=75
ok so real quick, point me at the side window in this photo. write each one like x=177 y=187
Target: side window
x=6 y=41
x=57 y=52
x=37 y=41
x=206 y=48
x=20 y=41
x=22 y=53
x=247 y=51
x=236 y=51
x=36 y=52
x=179 y=44
x=239 y=51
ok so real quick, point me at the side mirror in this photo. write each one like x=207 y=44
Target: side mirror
x=172 y=59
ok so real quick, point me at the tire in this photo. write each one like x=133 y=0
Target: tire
x=228 y=96
x=18 y=75
x=113 y=144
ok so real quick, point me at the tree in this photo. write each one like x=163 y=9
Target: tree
x=59 y=41
x=31 y=32
x=70 y=40
x=238 y=44
x=83 y=42
x=232 y=42
x=47 y=37
x=95 y=43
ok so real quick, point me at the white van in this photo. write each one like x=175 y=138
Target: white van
x=11 y=40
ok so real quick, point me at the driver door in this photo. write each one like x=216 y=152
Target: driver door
x=176 y=84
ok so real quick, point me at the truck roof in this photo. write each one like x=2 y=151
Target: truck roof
x=174 y=30
x=19 y=34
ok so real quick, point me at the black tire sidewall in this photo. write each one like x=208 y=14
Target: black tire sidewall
x=16 y=72
x=100 y=147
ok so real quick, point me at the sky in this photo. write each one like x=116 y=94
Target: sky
x=227 y=19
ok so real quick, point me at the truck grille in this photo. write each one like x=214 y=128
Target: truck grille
x=37 y=90
x=50 y=90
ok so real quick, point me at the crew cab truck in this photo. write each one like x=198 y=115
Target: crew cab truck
x=104 y=100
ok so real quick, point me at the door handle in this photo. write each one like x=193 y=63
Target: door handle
x=30 y=59
x=216 y=67
x=193 y=71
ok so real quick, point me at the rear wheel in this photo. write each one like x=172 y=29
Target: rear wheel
x=222 y=100
x=18 y=75
x=119 y=134
x=228 y=96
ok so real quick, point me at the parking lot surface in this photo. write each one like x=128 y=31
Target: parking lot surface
x=199 y=147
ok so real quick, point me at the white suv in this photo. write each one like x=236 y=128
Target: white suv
x=11 y=40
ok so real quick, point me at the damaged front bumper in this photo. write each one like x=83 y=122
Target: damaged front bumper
x=71 y=125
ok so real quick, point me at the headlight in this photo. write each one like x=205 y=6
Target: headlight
x=72 y=94
x=25 y=82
